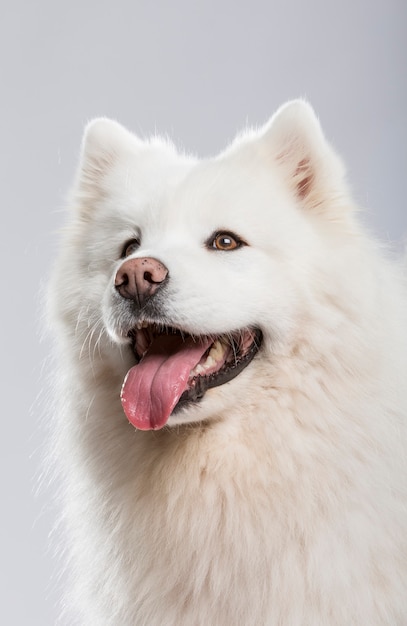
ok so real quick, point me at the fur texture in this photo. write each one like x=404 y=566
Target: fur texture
x=280 y=497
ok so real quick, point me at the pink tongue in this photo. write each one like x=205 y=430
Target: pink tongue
x=152 y=388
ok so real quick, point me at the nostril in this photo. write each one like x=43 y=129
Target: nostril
x=148 y=277
x=125 y=279
x=122 y=278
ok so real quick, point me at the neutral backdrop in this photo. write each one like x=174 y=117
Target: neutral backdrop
x=198 y=71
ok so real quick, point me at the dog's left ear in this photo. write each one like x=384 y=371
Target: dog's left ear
x=295 y=141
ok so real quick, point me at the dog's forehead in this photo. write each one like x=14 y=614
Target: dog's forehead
x=166 y=193
x=218 y=193
x=140 y=186
x=207 y=188
x=154 y=176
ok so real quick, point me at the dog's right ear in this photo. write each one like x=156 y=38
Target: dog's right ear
x=104 y=141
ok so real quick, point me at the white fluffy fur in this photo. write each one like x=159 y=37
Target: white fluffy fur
x=280 y=499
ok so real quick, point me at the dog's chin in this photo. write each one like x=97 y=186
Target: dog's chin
x=174 y=370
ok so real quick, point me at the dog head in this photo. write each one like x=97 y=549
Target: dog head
x=198 y=270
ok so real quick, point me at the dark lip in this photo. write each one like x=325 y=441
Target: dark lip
x=201 y=383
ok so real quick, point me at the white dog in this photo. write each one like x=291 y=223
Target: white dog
x=233 y=396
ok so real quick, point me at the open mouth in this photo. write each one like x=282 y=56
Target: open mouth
x=174 y=368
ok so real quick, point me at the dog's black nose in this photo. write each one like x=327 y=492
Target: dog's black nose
x=138 y=279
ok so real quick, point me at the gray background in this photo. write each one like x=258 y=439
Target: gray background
x=198 y=71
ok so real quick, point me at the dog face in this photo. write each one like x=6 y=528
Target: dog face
x=197 y=270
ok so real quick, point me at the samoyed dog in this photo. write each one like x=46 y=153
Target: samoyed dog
x=233 y=397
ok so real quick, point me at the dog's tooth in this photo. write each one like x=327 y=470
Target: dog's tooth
x=218 y=350
x=141 y=324
x=142 y=343
x=215 y=354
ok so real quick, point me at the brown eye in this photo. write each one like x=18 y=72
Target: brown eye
x=225 y=241
x=130 y=247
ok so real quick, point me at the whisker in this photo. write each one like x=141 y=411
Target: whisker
x=98 y=341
